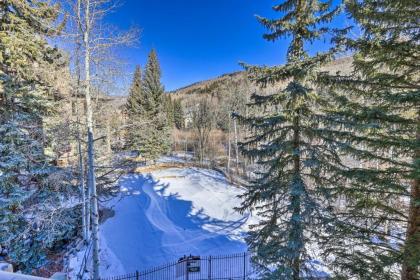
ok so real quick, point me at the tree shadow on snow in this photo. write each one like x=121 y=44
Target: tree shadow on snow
x=152 y=226
x=183 y=214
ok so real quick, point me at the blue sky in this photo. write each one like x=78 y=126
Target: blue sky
x=201 y=39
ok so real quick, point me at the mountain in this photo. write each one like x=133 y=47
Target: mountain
x=217 y=86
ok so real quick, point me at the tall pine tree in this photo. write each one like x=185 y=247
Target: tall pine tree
x=153 y=135
x=135 y=100
x=299 y=169
x=135 y=107
x=379 y=105
x=169 y=109
x=25 y=99
x=178 y=114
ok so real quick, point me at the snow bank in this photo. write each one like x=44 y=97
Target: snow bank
x=211 y=197
x=110 y=264
x=168 y=214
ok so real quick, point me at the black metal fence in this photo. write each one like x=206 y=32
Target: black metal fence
x=225 y=267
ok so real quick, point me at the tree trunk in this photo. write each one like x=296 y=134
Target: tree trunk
x=247 y=160
x=91 y=153
x=236 y=146
x=186 y=147
x=229 y=149
x=108 y=138
x=410 y=267
x=201 y=147
x=85 y=212
x=88 y=204
x=296 y=228
x=85 y=229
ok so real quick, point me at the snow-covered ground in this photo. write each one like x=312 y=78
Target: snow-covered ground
x=167 y=214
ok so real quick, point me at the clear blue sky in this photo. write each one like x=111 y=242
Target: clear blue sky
x=201 y=39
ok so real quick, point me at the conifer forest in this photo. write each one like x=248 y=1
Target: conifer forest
x=133 y=133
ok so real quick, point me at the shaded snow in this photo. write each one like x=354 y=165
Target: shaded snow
x=110 y=264
x=168 y=214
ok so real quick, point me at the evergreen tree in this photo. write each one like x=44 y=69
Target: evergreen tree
x=178 y=114
x=379 y=103
x=154 y=138
x=24 y=101
x=169 y=109
x=135 y=108
x=299 y=168
x=152 y=86
x=135 y=100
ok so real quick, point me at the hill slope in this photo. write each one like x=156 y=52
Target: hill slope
x=239 y=79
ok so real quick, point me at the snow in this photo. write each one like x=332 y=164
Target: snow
x=167 y=214
x=178 y=158
x=110 y=264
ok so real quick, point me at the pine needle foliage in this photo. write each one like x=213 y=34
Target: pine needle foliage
x=378 y=112
x=300 y=170
x=135 y=108
x=135 y=100
x=152 y=87
x=178 y=114
x=169 y=109
x=146 y=107
x=25 y=98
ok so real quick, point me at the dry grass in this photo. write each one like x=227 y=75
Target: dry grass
x=160 y=166
x=171 y=177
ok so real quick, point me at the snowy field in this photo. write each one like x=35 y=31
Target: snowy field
x=167 y=214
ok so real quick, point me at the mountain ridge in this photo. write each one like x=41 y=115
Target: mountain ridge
x=342 y=64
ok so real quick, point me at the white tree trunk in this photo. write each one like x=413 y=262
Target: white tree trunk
x=85 y=212
x=186 y=147
x=229 y=148
x=108 y=138
x=91 y=180
x=85 y=216
x=236 y=145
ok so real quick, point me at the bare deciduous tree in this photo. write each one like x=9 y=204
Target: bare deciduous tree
x=203 y=117
x=93 y=40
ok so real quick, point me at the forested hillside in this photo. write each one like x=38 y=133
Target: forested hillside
x=217 y=85
x=224 y=96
